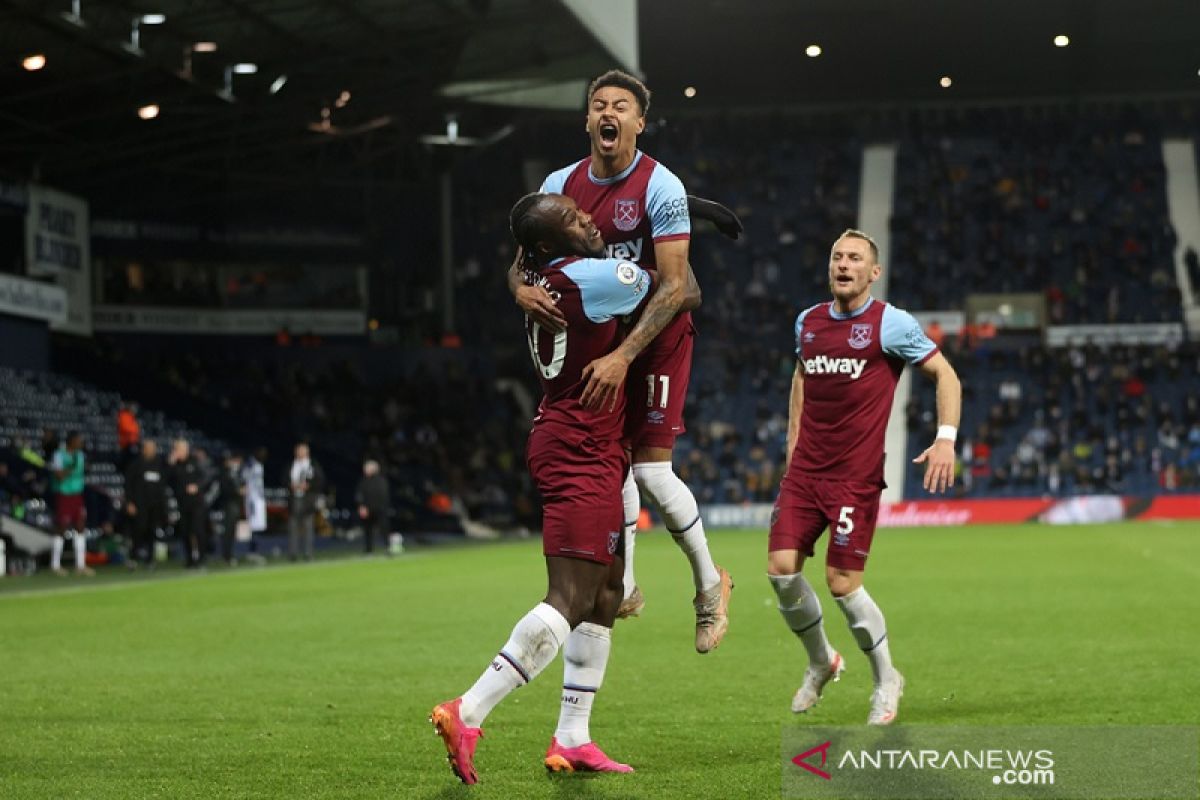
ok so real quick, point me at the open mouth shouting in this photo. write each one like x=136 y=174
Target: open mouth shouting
x=609 y=134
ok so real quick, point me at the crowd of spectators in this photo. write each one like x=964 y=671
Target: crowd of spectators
x=1070 y=207
x=447 y=431
x=1008 y=203
x=1073 y=420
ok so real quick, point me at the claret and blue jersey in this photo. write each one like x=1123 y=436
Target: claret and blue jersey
x=593 y=293
x=644 y=204
x=851 y=364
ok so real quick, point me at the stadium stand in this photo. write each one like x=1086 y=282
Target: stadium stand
x=39 y=408
x=1011 y=200
x=1070 y=421
x=1005 y=200
x=448 y=430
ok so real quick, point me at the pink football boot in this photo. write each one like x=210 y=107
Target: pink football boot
x=585 y=758
x=460 y=740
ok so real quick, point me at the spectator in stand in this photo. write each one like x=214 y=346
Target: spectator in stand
x=129 y=433
x=306 y=483
x=374 y=504
x=145 y=502
x=67 y=469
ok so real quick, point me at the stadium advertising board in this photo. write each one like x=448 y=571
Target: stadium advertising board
x=26 y=298
x=57 y=245
x=1147 y=333
x=951 y=322
x=935 y=513
x=1015 y=311
x=126 y=319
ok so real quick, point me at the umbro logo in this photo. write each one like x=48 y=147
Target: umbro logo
x=809 y=336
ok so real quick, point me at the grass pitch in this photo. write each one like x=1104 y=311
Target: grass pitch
x=316 y=681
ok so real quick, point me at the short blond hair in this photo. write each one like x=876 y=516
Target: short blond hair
x=854 y=233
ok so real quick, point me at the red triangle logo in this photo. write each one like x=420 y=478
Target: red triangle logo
x=823 y=749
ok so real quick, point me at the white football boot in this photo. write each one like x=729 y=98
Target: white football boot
x=815 y=679
x=885 y=700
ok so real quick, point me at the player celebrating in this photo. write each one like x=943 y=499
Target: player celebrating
x=578 y=463
x=850 y=355
x=642 y=212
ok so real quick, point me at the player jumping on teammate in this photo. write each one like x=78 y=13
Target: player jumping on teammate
x=850 y=354
x=643 y=213
x=578 y=464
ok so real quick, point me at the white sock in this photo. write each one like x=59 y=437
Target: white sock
x=533 y=644
x=869 y=629
x=674 y=500
x=79 y=543
x=801 y=610
x=56 y=548
x=585 y=655
x=633 y=509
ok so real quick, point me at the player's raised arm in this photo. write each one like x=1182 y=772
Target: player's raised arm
x=939 y=458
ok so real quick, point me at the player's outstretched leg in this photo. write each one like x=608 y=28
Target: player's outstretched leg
x=533 y=644
x=675 y=502
x=801 y=610
x=585 y=657
x=870 y=631
x=632 y=601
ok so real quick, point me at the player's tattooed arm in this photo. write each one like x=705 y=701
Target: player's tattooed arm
x=535 y=301
x=939 y=458
x=795 y=409
x=677 y=291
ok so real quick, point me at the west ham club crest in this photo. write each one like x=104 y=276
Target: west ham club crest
x=626 y=215
x=860 y=335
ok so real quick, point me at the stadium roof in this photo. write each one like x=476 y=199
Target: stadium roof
x=873 y=51
x=296 y=94
x=361 y=86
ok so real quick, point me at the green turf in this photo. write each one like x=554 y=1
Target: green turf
x=316 y=681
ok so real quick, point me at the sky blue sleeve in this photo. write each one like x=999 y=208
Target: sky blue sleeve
x=800 y=330
x=556 y=181
x=902 y=336
x=666 y=204
x=609 y=287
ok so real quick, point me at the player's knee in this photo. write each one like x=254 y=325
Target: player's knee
x=842 y=582
x=574 y=605
x=608 y=601
x=784 y=562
